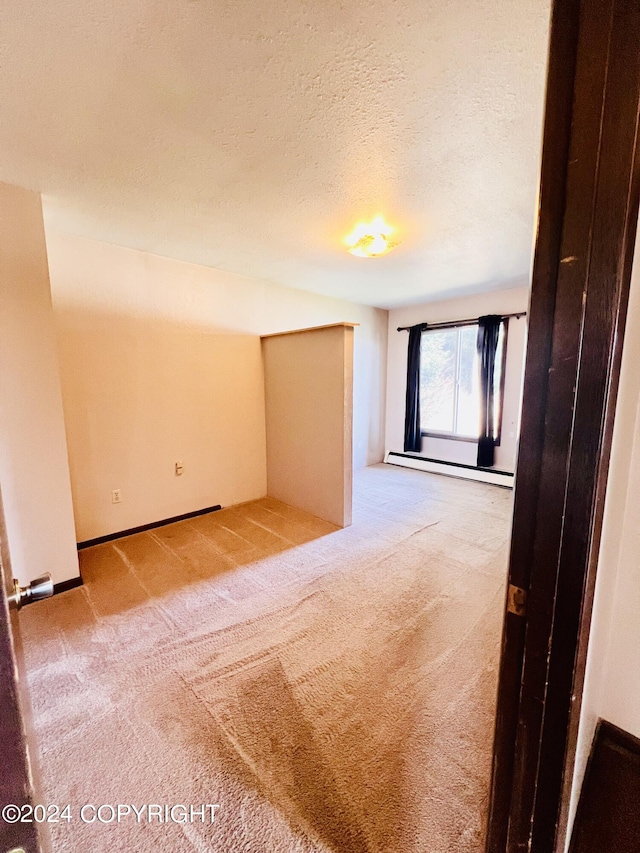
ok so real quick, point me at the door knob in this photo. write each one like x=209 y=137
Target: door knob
x=38 y=589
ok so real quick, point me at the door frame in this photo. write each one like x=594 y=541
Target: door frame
x=587 y=216
x=18 y=751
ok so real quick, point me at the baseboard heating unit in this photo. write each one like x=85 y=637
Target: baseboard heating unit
x=451 y=469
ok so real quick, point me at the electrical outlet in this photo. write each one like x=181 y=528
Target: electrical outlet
x=179 y=469
x=116 y=496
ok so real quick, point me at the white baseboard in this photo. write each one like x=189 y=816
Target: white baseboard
x=450 y=469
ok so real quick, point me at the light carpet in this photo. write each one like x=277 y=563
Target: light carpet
x=332 y=690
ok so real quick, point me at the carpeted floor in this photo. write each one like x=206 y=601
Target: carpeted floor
x=332 y=690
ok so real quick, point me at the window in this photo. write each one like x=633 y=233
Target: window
x=450 y=382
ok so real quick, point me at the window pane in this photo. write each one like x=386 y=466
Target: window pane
x=468 y=414
x=437 y=380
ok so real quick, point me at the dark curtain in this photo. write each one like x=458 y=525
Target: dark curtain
x=412 y=435
x=488 y=332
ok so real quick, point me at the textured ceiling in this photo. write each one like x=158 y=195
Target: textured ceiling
x=252 y=136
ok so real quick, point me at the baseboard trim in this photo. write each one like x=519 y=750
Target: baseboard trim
x=100 y=540
x=451 y=469
x=63 y=586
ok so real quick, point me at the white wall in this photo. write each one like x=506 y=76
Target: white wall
x=495 y=302
x=34 y=472
x=612 y=680
x=308 y=378
x=160 y=361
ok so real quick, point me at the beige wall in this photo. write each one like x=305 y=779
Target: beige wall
x=612 y=682
x=495 y=302
x=34 y=472
x=308 y=380
x=141 y=395
x=161 y=362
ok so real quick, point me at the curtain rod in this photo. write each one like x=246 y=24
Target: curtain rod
x=454 y=324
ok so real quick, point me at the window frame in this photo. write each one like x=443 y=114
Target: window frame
x=452 y=436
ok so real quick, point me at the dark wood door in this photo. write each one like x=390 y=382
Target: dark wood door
x=588 y=208
x=17 y=747
x=608 y=817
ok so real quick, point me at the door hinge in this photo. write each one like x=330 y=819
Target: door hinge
x=517 y=600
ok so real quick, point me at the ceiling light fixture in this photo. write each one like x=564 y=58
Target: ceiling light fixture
x=371 y=239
